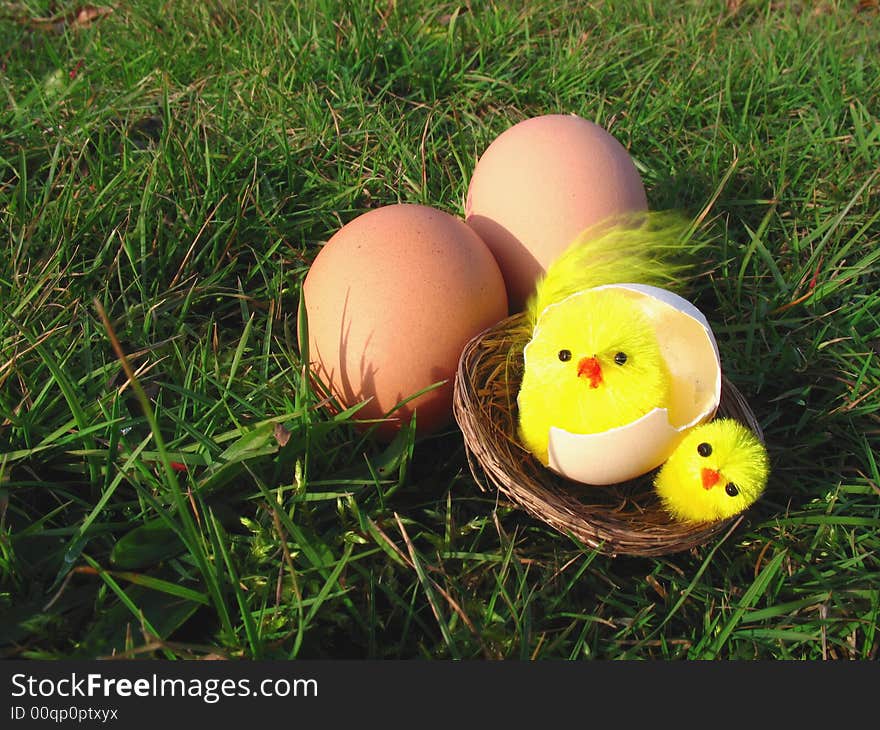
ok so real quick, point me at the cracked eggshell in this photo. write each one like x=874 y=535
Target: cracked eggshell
x=691 y=354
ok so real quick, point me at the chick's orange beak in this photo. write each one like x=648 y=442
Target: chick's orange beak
x=710 y=478
x=589 y=367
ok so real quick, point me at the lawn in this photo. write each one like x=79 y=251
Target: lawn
x=168 y=170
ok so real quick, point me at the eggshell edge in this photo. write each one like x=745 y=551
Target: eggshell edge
x=593 y=458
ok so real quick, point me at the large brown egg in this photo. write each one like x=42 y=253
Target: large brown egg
x=541 y=183
x=392 y=298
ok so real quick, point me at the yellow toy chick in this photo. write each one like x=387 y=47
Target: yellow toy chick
x=718 y=470
x=593 y=362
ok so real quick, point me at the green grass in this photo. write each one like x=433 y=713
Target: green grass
x=177 y=165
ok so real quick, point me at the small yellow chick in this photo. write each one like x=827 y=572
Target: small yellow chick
x=718 y=470
x=593 y=363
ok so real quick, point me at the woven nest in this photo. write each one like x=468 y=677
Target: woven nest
x=624 y=518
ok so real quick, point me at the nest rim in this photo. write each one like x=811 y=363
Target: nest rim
x=618 y=519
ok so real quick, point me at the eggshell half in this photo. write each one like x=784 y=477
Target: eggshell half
x=542 y=182
x=691 y=354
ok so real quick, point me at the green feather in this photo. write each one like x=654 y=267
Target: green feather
x=653 y=248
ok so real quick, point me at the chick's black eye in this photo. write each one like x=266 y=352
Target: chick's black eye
x=731 y=489
x=565 y=355
x=620 y=358
x=704 y=449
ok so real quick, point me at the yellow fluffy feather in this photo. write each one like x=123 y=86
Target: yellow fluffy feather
x=644 y=248
x=718 y=470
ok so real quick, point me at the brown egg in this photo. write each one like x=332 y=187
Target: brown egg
x=539 y=184
x=392 y=298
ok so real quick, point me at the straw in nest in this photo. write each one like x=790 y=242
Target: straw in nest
x=619 y=519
